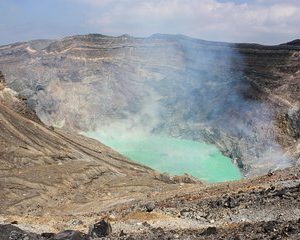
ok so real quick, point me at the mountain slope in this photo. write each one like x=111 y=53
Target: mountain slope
x=47 y=170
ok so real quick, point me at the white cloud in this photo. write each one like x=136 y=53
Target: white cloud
x=265 y=21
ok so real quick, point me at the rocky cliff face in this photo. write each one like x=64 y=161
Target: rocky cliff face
x=242 y=97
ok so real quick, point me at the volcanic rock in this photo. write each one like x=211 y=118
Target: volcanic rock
x=10 y=232
x=150 y=206
x=48 y=235
x=70 y=235
x=210 y=231
x=231 y=203
x=100 y=229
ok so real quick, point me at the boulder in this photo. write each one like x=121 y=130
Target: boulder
x=70 y=235
x=10 y=232
x=100 y=229
x=150 y=206
x=209 y=231
x=231 y=203
x=48 y=235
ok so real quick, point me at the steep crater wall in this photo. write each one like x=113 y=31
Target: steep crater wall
x=241 y=97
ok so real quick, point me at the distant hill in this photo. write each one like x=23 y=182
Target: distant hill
x=293 y=43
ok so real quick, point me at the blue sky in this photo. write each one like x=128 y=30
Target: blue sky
x=262 y=21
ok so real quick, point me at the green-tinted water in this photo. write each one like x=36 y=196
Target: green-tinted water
x=175 y=156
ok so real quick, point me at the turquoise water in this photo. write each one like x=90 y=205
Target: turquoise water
x=175 y=156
